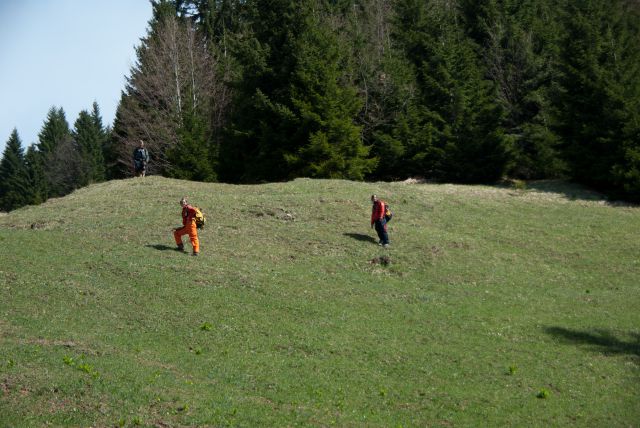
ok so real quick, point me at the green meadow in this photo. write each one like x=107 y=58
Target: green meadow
x=493 y=306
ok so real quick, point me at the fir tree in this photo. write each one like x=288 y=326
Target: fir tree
x=54 y=131
x=327 y=108
x=295 y=116
x=456 y=105
x=97 y=154
x=521 y=49
x=89 y=137
x=600 y=95
x=376 y=66
x=263 y=126
x=35 y=175
x=65 y=169
x=14 y=184
x=190 y=159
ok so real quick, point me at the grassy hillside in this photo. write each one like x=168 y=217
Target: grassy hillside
x=497 y=307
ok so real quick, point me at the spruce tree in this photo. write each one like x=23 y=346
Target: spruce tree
x=54 y=131
x=101 y=133
x=263 y=126
x=295 y=116
x=327 y=108
x=65 y=169
x=456 y=121
x=89 y=137
x=35 y=175
x=521 y=41
x=14 y=184
x=190 y=159
x=600 y=94
x=376 y=66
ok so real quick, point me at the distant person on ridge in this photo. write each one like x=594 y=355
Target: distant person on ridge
x=379 y=221
x=140 y=160
x=188 y=227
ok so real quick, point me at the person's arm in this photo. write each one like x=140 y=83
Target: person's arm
x=373 y=213
x=191 y=214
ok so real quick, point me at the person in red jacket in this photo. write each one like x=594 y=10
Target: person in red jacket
x=379 y=221
x=188 y=228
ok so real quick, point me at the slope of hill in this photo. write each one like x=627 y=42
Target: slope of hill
x=491 y=307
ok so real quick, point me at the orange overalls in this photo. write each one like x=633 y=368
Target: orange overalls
x=189 y=228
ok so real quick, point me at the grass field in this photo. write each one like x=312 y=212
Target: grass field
x=498 y=307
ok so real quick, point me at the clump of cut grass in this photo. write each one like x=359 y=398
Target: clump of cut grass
x=206 y=326
x=543 y=393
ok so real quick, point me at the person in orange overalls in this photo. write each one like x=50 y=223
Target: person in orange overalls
x=188 y=228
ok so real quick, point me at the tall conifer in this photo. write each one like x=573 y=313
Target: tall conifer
x=457 y=106
x=14 y=184
x=54 y=132
x=600 y=95
x=89 y=137
x=295 y=116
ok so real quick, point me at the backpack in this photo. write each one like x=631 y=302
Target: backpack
x=140 y=154
x=388 y=214
x=200 y=218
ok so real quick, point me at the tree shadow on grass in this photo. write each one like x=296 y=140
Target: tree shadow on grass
x=601 y=340
x=161 y=247
x=570 y=190
x=361 y=237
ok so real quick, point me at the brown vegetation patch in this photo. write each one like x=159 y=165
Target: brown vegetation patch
x=382 y=260
x=7 y=387
x=70 y=344
x=435 y=250
x=461 y=245
x=278 y=213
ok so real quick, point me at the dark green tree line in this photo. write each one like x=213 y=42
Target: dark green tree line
x=599 y=100
x=450 y=90
x=293 y=115
x=62 y=160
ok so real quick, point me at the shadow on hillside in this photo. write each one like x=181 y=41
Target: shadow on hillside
x=361 y=237
x=161 y=247
x=600 y=340
x=570 y=190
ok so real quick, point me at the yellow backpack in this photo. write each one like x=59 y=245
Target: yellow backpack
x=388 y=214
x=200 y=218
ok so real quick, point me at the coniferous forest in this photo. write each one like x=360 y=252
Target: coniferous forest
x=465 y=91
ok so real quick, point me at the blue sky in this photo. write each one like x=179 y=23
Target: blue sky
x=64 y=53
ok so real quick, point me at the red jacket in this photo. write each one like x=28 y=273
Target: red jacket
x=377 y=212
x=188 y=215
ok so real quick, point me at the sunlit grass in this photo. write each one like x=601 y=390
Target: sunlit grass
x=492 y=307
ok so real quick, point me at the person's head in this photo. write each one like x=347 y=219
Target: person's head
x=141 y=144
x=374 y=199
x=183 y=201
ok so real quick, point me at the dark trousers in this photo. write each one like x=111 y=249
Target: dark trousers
x=381 y=228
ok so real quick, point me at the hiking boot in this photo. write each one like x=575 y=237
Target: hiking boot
x=180 y=247
x=385 y=245
x=195 y=254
